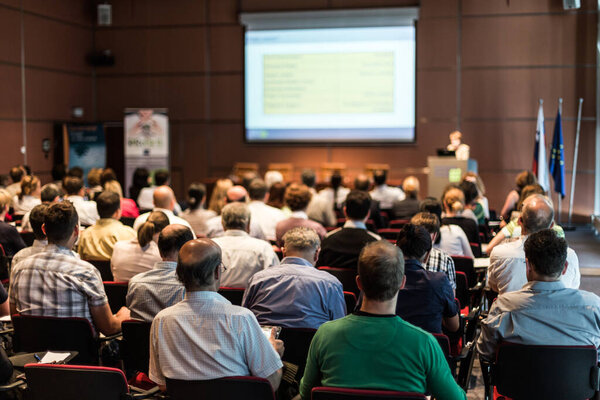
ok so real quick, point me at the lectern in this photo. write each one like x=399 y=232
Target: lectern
x=445 y=170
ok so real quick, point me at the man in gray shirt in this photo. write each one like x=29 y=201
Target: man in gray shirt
x=154 y=290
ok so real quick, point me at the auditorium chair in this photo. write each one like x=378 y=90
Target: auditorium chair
x=135 y=347
x=350 y=299
x=127 y=221
x=104 y=267
x=334 y=393
x=230 y=388
x=297 y=342
x=542 y=372
x=75 y=382
x=476 y=249
x=234 y=295
x=117 y=294
x=346 y=276
x=5 y=263
x=389 y=233
x=474 y=281
x=28 y=238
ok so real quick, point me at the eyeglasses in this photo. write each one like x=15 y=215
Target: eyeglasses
x=223 y=267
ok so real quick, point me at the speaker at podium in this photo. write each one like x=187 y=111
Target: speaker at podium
x=445 y=170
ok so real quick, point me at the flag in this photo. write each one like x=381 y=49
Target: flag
x=540 y=169
x=557 y=157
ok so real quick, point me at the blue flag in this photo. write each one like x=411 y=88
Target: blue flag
x=557 y=158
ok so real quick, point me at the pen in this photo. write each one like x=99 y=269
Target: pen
x=37 y=357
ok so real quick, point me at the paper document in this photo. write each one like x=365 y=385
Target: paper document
x=54 y=357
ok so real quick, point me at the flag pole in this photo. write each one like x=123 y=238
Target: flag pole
x=575 y=154
x=560 y=106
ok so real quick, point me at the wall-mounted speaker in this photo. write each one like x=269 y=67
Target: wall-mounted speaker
x=571 y=4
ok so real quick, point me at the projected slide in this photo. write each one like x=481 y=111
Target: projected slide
x=330 y=85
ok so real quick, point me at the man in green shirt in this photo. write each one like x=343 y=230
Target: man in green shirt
x=373 y=348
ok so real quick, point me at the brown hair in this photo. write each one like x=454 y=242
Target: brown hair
x=93 y=177
x=454 y=200
x=297 y=197
x=217 y=198
x=381 y=270
x=156 y=222
x=525 y=178
x=28 y=185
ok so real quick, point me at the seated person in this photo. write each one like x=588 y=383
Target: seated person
x=427 y=299
x=452 y=239
x=16 y=175
x=409 y=206
x=152 y=291
x=297 y=198
x=341 y=247
x=243 y=255
x=164 y=200
x=295 y=294
x=36 y=219
x=266 y=216
x=319 y=209
x=362 y=183
x=131 y=257
x=50 y=194
x=56 y=283
x=544 y=311
x=455 y=214
x=354 y=352
x=10 y=239
x=97 y=241
x=197 y=215
x=523 y=179
x=87 y=210
x=471 y=204
x=128 y=207
x=205 y=337
x=29 y=196
x=336 y=194
x=384 y=194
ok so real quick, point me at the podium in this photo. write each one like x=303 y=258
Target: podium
x=445 y=170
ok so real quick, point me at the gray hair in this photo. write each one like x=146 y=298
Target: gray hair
x=235 y=216
x=301 y=239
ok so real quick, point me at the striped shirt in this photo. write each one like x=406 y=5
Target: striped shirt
x=440 y=261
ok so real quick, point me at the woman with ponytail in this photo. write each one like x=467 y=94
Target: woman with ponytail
x=29 y=196
x=130 y=257
x=197 y=215
x=454 y=206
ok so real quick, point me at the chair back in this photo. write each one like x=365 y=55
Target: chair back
x=346 y=276
x=127 y=221
x=234 y=295
x=74 y=382
x=117 y=294
x=28 y=238
x=350 y=299
x=104 y=267
x=546 y=372
x=231 y=388
x=466 y=265
x=297 y=342
x=399 y=223
x=332 y=393
x=135 y=347
x=462 y=289
x=389 y=233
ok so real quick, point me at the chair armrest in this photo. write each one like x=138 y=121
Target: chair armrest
x=477 y=288
x=143 y=394
x=108 y=338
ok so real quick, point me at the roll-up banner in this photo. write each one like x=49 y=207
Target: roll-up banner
x=146 y=141
x=84 y=146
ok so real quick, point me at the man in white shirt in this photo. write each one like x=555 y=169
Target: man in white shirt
x=266 y=216
x=243 y=255
x=384 y=194
x=87 y=211
x=145 y=199
x=319 y=209
x=215 y=225
x=507 y=272
x=164 y=200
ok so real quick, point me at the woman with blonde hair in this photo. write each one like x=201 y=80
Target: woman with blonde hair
x=217 y=199
x=29 y=197
x=454 y=206
x=128 y=207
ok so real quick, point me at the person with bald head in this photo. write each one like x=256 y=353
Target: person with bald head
x=235 y=194
x=164 y=200
x=506 y=272
x=204 y=336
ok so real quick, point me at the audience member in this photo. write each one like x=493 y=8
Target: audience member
x=222 y=339
x=452 y=239
x=16 y=175
x=362 y=183
x=272 y=177
x=336 y=194
x=455 y=214
x=507 y=270
x=243 y=255
x=152 y=291
x=163 y=200
x=297 y=198
x=471 y=176
x=373 y=348
x=266 y=216
x=319 y=209
x=93 y=182
x=196 y=214
x=409 y=206
x=59 y=171
x=29 y=196
x=86 y=210
x=128 y=207
x=145 y=199
x=295 y=294
x=427 y=299
x=438 y=260
x=341 y=247
x=544 y=311
x=10 y=239
x=139 y=181
x=50 y=194
x=131 y=257
x=55 y=282
x=219 y=194
x=97 y=241
x=384 y=194
x=75 y=172
x=276 y=195
x=469 y=189
x=523 y=179
x=40 y=241
x=107 y=175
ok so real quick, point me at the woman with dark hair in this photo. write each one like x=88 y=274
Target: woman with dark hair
x=336 y=194
x=140 y=181
x=197 y=215
x=523 y=179
x=470 y=191
x=130 y=257
x=276 y=195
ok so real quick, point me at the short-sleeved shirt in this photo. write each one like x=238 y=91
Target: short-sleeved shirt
x=56 y=283
x=98 y=241
x=129 y=259
x=38 y=246
x=10 y=239
x=205 y=337
x=426 y=298
x=440 y=261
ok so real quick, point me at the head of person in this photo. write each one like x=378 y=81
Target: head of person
x=149 y=230
x=16 y=174
x=36 y=219
x=361 y=182
x=77 y=172
x=50 y=193
x=358 y=205
x=61 y=224
x=4 y=181
x=537 y=214
x=58 y=172
x=171 y=239
x=297 y=197
x=161 y=177
x=108 y=205
x=527 y=191
x=429 y=221
x=380 y=177
x=455 y=138
x=336 y=180
x=236 y=216
x=433 y=206
x=163 y=197
x=309 y=178
x=140 y=177
x=107 y=174
x=257 y=190
x=114 y=186
x=5 y=201
x=302 y=242
x=545 y=256
x=196 y=195
x=199 y=265
x=73 y=186
x=271 y=177
x=525 y=178
x=248 y=177
x=93 y=177
x=236 y=193
x=469 y=189
x=410 y=186
x=414 y=241
x=380 y=271
x=454 y=201
x=217 y=198
x=476 y=179
x=26 y=168
x=276 y=195
x=30 y=186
